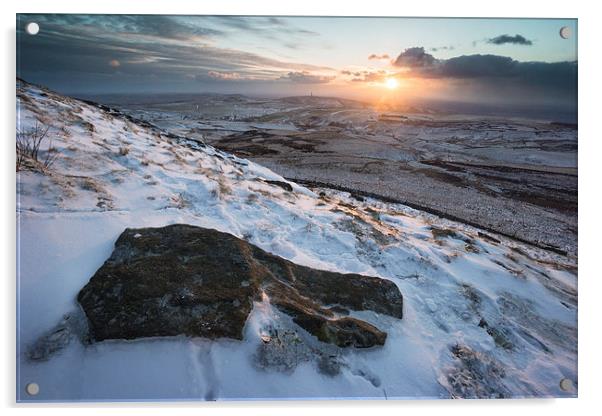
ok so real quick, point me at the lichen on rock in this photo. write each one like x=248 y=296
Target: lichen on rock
x=187 y=280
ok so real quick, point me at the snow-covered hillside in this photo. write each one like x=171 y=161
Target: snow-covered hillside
x=484 y=316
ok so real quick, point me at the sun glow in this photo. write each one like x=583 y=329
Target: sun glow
x=391 y=83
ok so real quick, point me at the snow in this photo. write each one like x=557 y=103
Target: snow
x=69 y=218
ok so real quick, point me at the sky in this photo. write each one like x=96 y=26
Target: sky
x=494 y=61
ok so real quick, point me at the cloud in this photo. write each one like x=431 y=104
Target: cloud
x=269 y=27
x=474 y=66
x=276 y=21
x=354 y=73
x=514 y=40
x=370 y=76
x=166 y=27
x=493 y=73
x=75 y=53
x=304 y=77
x=379 y=57
x=442 y=48
x=414 y=58
x=170 y=27
x=555 y=75
x=273 y=29
x=226 y=76
x=420 y=63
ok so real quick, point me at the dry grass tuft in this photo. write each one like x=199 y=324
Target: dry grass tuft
x=90 y=184
x=224 y=188
x=29 y=152
x=178 y=201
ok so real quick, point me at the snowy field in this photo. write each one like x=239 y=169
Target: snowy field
x=484 y=316
x=485 y=170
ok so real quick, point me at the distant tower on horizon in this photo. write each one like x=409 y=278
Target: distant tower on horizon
x=311 y=94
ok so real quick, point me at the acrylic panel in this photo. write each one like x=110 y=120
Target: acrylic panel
x=281 y=207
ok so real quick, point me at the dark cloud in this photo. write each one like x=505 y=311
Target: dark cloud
x=514 y=40
x=379 y=57
x=442 y=48
x=170 y=27
x=420 y=63
x=304 y=77
x=265 y=26
x=166 y=27
x=414 y=58
x=494 y=73
x=86 y=53
x=474 y=66
x=278 y=22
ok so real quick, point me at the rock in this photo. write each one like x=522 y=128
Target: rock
x=284 y=185
x=186 y=280
x=475 y=375
x=344 y=332
x=171 y=281
x=282 y=350
x=72 y=326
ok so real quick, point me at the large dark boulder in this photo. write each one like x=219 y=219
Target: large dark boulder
x=186 y=280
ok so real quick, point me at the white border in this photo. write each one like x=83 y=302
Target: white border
x=590 y=166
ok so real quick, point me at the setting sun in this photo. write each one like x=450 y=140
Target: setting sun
x=391 y=83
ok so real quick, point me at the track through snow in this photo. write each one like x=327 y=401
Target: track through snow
x=484 y=316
